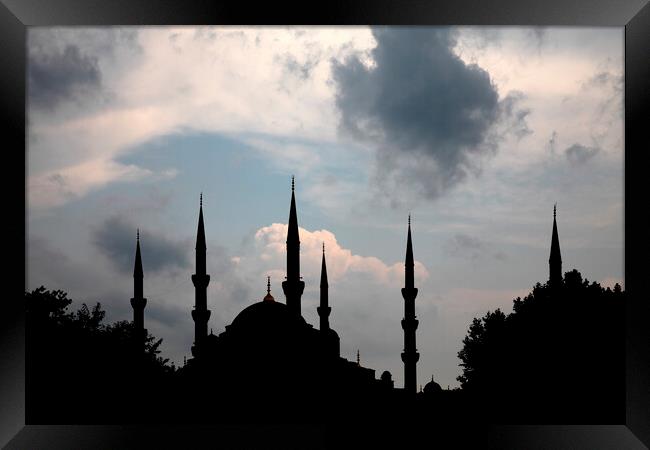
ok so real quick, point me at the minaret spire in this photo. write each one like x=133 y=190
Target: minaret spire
x=409 y=275
x=324 y=309
x=293 y=286
x=201 y=247
x=555 y=259
x=200 y=313
x=138 y=274
x=138 y=302
x=410 y=356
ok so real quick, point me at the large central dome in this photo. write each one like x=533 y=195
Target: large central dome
x=265 y=315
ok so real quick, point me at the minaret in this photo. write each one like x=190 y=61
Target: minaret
x=293 y=286
x=138 y=302
x=200 y=313
x=555 y=259
x=410 y=356
x=324 y=309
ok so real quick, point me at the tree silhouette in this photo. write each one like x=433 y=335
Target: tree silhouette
x=559 y=356
x=80 y=370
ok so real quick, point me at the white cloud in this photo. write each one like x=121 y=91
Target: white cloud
x=188 y=79
x=342 y=264
x=57 y=187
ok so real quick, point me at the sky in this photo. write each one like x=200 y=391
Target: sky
x=475 y=131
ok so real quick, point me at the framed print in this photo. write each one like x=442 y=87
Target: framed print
x=376 y=223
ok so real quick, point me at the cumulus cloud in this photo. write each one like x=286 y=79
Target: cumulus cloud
x=115 y=239
x=578 y=154
x=341 y=262
x=65 y=75
x=429 y=114
x=56 y=187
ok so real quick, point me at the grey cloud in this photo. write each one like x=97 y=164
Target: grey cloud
x=164 y=314
x=604 y=79
x=301 y=70
x=465 y=246
x=58 y=76
x=115 y=239
x=538 y=36
x=76 y=65
x=579 y=154
x=422 y=103
x=613 y=100
x=513 y=116
x=105 y=41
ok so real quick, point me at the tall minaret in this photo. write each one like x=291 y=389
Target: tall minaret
x=324 y=309
x=555 y=260
x=293 y=286
x=200 y=313
x=138 y=302
x=410 y=356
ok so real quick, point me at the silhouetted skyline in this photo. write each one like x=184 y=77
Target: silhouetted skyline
x=127 y=126
x=271 y=361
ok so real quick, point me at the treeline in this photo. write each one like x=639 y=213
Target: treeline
x=559 y=357
x=81 y=370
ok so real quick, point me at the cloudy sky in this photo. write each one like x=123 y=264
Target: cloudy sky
x=475 y=131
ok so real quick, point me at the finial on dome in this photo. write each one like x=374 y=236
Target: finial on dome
x=201 y=199
x=268 y=296
x=138 y=234
x=554 y=206
x=293 y=183
x=409 y=219
x=323 y=248
x=358 y=358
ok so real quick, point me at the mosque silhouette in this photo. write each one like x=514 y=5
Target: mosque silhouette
x=269 y=364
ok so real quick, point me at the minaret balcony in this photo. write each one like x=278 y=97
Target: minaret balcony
x=410 y=324
x=200 y=280
x=410 y=357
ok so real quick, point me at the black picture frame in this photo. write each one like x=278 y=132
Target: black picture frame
x=17 y=15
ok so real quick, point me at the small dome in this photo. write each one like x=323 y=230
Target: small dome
x=432 y=387
x=386 y=376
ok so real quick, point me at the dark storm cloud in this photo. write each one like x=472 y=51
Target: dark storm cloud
x=579 y=154
x=115 y=238
x=421 y=101
x=61 y=75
